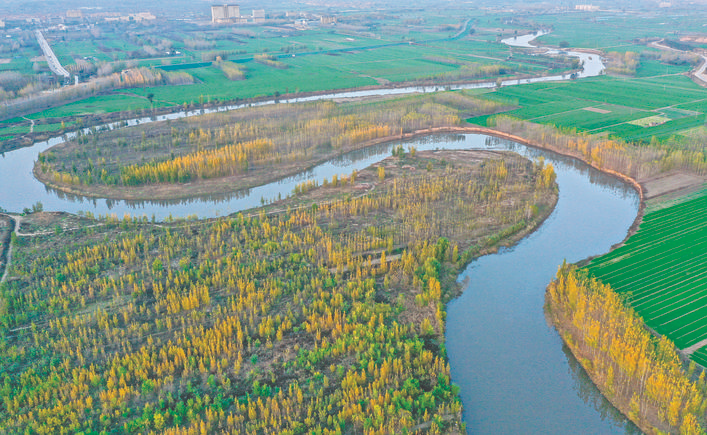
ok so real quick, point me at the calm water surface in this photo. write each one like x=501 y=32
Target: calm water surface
x=514 y=375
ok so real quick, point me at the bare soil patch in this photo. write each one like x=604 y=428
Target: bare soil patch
x=596 y=110
x=671 y=183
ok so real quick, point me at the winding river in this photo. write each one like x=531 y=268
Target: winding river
x=16 y=166
x=515 y=375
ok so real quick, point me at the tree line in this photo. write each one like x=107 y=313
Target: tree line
x=300 y=134
x=640 y=373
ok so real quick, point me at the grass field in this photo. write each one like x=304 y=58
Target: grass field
x=305 y=74
x=611 y=32
x=662 y=271
x=97 y=105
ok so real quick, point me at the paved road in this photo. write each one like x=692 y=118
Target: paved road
x=699 y=72
x=53 y=62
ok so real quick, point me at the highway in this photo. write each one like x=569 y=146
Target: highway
x=53 y=62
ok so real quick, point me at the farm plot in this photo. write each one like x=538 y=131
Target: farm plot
x=584 y=119
x=662 y=270
x=659 y=130
x=628 y=109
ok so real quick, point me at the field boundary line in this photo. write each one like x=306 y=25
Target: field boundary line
x=690 y=350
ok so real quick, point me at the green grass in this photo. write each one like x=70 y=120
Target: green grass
x=586 y=120
x=321 y=72
x=25 y=129
x=657 y=87
x=650 y=68
x=22 y=65
x=661 y=269
x=612 y=31
x=88 y=48
x=639 y=93
x=97 y=105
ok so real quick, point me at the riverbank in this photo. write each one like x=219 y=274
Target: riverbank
x=640 y=374
x=233 y=184
x=75 y=123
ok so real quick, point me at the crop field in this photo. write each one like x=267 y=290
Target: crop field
x=632 y=132
x=652 y=68
x=612 y=31
x=661 y=270
x=594 y=117
x=419 y=48
x=310 y=73
x=626 y=106
x=261 y=80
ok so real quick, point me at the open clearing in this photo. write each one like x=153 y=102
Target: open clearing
x=650 y=121
x=670 y=183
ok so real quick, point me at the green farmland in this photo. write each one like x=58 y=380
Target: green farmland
x=662 y=271
x=632 y=109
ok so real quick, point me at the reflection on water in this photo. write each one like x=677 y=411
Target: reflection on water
x=16 y=166
x=514 y=375
x=138 y=204
x=16 y=171
x=590 y=394
x=508 y=362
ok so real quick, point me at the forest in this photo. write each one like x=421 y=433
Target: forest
x=324 y=316
x=325 y=312
x=610 y=154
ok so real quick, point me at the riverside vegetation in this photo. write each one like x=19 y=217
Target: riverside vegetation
x=640 y=373
x=657 y=276
x=661 y=398
x=325 y=318
x=242 y=148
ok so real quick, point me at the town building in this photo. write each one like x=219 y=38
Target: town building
x=225 y=13
x=258 y=15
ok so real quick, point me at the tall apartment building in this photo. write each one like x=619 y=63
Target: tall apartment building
x=225 y=13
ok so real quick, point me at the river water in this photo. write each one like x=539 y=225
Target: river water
x=514 y=373
x=25 y=190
